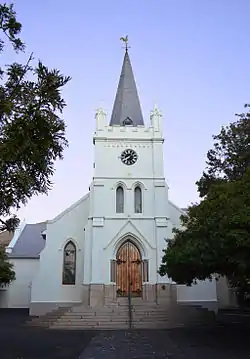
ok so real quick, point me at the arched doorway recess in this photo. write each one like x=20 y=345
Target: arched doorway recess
x=129 y=270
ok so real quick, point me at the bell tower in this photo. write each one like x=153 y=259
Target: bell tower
x=128 y=196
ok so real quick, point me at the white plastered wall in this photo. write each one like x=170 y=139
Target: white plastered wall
x=107 y=229
x=17 y=295
x=70 y=225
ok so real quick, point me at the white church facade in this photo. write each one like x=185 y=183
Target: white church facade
x=109 y=243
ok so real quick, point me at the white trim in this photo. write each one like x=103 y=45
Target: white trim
x=124 y=189
x=128 y=217
x=137 y=242
x=115 y=241
x=131 y=178
x=120 y=183
x=176 y=207
x=138 y=183
x=70 y=239
x=197 y=301
x=16 y=236
x=138 y=139
x=74 y=205
x=56 y=301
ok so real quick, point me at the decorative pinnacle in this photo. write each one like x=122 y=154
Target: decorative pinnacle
x=125 y=40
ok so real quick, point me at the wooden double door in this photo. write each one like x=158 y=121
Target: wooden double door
x=129 y=270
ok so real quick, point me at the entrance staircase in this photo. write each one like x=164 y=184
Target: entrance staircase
x=140 y=315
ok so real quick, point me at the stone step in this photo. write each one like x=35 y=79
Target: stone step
x=95 y=310
x=106 y=320
x=144 y=315
x=92 y=320
x=90 y=327
x=120 y=325
x=134 y=318
x=135 y=314
x=114 y=315
x=102 y=321
x=123 y=314
x=93 y=314
x=139 y=309
x=90 y=324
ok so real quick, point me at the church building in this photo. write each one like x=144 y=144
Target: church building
x=109 y=243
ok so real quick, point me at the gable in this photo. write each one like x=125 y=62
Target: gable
x=127 y=230
x=82 y=200
x=174 y=214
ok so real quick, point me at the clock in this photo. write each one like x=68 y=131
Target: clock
x=129 y=157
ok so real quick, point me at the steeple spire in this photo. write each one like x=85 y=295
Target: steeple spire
x=127 y=108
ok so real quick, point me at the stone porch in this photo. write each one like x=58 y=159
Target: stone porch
x=101 y=295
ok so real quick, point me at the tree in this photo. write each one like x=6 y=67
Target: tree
x=32 y=134
x=230 y=157
x=215 y=234
x=7 y=274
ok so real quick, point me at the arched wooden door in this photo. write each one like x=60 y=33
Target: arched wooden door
x=128 y=270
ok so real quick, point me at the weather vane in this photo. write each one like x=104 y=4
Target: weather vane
x=125 y=40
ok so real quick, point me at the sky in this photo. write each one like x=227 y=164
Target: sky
x=191 y=57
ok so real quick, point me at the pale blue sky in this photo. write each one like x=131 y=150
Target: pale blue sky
x=191 y=56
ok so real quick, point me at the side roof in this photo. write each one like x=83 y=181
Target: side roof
x=30 y=242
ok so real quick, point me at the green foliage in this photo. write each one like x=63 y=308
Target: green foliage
x=215 y=234
x=32 y=134
x=9 y=224
x=230 y=157
x=7 y=274
x=10 y=27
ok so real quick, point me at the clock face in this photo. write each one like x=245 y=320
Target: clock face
x=129 y=157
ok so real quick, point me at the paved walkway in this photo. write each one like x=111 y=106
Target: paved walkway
x=19 y=342
x=128 y=345
x=204 y=343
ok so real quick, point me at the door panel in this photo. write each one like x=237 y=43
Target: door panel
x=129 y=270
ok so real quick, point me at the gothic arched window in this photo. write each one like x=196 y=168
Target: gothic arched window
x=138 y=199
x=119 y=199
x=69 y=263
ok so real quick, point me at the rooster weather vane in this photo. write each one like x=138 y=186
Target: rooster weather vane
x=125 y=40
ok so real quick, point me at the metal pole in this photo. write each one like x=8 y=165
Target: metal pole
x=130 y=305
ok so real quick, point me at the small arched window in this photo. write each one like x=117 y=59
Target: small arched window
x=69 y=263
x=138 y=199
x=119 y=200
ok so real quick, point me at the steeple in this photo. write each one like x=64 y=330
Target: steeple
x=127 y=108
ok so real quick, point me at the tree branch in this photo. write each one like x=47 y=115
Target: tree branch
x=22 y=76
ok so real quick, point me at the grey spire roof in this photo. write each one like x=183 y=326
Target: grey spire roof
x=127 y=108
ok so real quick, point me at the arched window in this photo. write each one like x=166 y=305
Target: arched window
x=69 y=263
x=138 y=199
x=119 y=200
